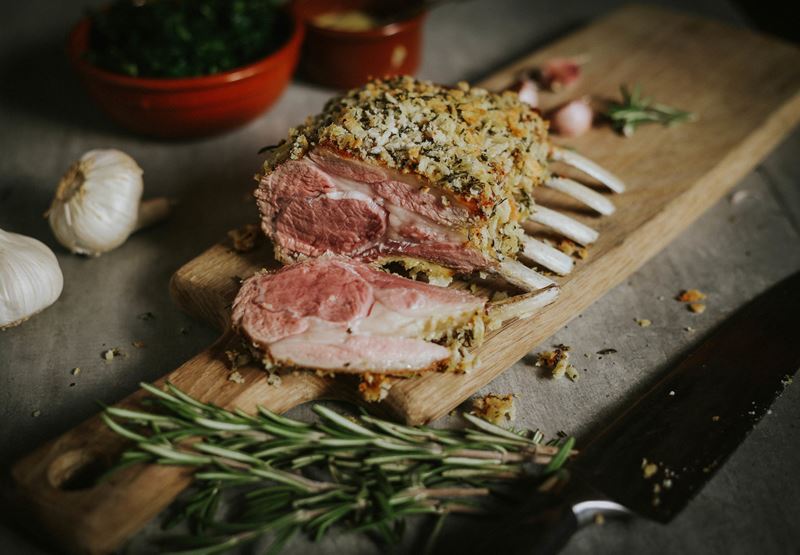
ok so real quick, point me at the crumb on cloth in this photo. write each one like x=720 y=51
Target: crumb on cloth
x=494 y=408
x=690 y=296
x=738 y=196
x=609 y=351
x=557 y=361
x=649 y=470
x=111 y=354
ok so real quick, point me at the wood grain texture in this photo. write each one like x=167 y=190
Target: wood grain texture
x=746 y=90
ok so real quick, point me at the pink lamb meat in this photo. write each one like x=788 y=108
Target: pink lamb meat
x=341 y=315
x=326 y=202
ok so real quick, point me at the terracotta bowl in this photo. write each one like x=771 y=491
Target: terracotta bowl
x=192 y=106
x=345 y=59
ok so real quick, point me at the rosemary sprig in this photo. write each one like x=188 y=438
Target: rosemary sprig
x=635 y=110
x=288 y=476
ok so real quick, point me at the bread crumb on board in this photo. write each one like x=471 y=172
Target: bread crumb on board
x=375 y=387
x=245 y=238
x=238 y=358
x=697 y=308
x=235 y=377
x=644 y=322
x=571 y=248
x=494 y=408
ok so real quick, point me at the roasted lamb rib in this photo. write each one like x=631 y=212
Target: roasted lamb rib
x=409 y=171
x=338 y=315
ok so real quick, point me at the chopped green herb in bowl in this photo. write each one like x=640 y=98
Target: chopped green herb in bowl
x=173 y=69
x=174 y=38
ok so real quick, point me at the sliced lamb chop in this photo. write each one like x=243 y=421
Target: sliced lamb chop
x=344 y=316
x=403 y=170
x=327 y=202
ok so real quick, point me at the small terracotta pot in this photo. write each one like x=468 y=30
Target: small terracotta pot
x=191 y=106
x=345 y=59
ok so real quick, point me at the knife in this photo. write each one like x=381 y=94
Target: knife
x=652 y=459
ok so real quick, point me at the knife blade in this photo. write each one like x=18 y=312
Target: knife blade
x=655 y=456
x=679 y=433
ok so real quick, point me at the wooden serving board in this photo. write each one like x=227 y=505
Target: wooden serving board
x=745 y=89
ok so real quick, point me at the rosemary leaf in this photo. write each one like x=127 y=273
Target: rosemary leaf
x=561 y=457
x=635 y=110
x=281 y=476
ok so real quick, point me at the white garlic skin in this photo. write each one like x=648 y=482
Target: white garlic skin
x=30 y=278
x=97 y=202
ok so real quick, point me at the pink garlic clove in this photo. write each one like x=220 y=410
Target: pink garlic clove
x=527 y=90
x=572 y=119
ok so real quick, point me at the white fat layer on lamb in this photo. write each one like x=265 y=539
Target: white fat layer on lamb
x=399 y=217
x=426 y=322
x=329 y=347
x=401 y=336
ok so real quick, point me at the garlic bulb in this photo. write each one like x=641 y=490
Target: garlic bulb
x=30 y=279
x=97 y=203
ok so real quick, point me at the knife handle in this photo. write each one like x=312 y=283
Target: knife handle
x=542 y=533
x=541 y=525
x=547 y=525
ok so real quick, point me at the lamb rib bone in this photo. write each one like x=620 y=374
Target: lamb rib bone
x=587 y=166
x=521 y=306
x=519 y=275
x=582 y=193
x=566 y=226
x=546 y=256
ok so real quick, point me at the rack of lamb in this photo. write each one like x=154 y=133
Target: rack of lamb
x=409 y=171
x=439 y=180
